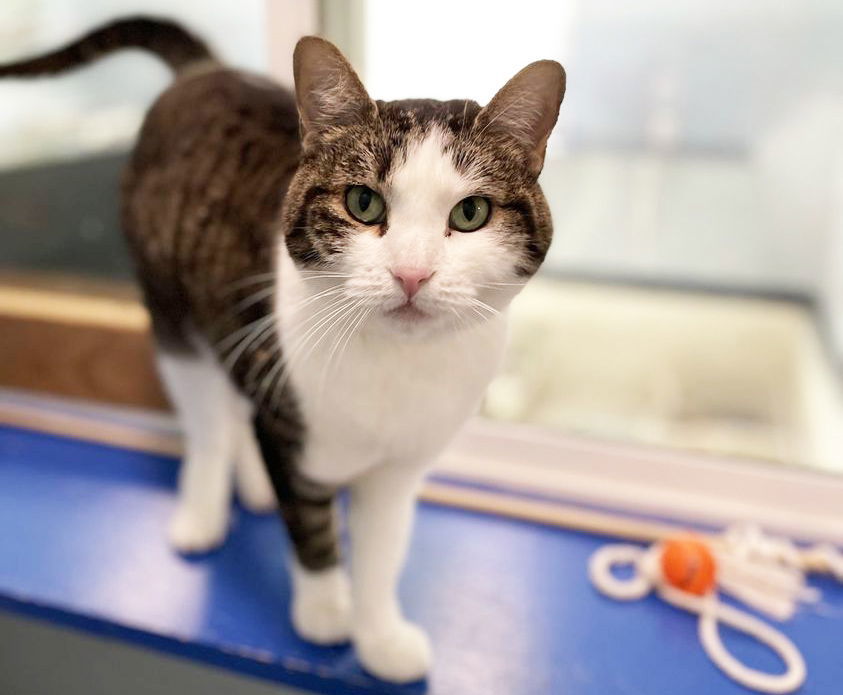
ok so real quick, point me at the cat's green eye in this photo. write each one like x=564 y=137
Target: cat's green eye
x=470 y=214
x=365 y=205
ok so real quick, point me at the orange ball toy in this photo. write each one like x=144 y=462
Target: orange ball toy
x=688 y=564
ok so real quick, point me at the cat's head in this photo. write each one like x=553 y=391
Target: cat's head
x=425 y=215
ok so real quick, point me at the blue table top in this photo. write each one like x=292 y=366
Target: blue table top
x=507 y=603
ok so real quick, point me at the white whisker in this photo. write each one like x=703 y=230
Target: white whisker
x=232 y=338
x=254 y=370
x=253 y=299
x=482 y=305
x=245 y=282
x=500 y=284
x=267 y=380
x=332 y=310
x=337 y=289
x=238 y=351
x=327 y=276
x=347 y=322
x=364 y=313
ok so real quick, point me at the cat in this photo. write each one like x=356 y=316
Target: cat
x=327 y=278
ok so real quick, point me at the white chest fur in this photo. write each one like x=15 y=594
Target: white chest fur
x=387 y=399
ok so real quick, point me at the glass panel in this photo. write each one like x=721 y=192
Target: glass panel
x=693 y=296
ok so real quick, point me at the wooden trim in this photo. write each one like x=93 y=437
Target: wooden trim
x=47 y=306
x=568 y=516
x=34 y=416
x=91 y=344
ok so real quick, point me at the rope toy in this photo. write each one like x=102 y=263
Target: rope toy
x=687 y=570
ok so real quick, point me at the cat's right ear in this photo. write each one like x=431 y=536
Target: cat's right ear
x=328 y=91
x=526 y=108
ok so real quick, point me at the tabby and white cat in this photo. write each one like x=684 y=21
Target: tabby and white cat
x=328 y=278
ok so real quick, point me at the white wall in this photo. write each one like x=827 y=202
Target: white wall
x=101 y=106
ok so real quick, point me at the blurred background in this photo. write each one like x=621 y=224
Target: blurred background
x=693 y=297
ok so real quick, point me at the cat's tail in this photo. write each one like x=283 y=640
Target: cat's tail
x=176 y=46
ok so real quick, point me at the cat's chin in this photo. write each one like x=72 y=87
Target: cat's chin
x=409 y=313
x=410 y=321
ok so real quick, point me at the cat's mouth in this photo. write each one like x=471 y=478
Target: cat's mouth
x=408 y=312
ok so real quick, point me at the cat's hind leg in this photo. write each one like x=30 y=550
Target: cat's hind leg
x=202 y=395
x=254 y=488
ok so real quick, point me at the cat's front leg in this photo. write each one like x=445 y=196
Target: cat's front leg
x=320 y=609
x=380 y=520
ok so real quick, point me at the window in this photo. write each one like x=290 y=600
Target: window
x=692 y=297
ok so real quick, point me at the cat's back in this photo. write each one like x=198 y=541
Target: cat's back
x=203 y=188
x=216 y=102
x=217 y=127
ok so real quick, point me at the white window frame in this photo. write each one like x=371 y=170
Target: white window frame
x=646 y=480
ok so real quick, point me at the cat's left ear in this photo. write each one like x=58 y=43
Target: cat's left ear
x=527 y=108
x=328 y=91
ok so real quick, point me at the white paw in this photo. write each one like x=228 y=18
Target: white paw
x=321 y=610
x=400 y=653
x=193 y=531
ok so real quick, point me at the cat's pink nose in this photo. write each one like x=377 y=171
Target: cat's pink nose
x=411 y=279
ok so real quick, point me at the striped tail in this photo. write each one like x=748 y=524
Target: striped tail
x=172 y=43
